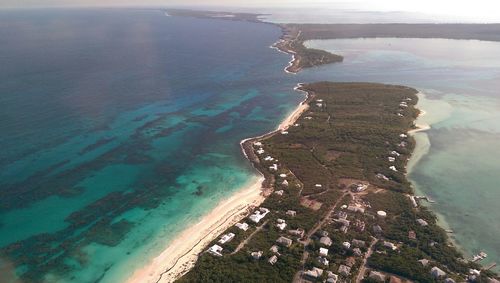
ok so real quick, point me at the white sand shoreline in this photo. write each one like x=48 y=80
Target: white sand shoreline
x=181 y=254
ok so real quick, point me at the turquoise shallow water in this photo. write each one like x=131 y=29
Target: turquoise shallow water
x=121 y=127
x=458 y=165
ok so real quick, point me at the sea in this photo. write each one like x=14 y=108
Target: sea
x=119 y=128
x=456 y=162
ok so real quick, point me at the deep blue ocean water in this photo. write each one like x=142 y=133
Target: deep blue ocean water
x=118 y=128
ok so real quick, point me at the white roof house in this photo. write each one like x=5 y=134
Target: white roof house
x=422 y=222
x=283 y=175
x=285 y=183
x=215 y=250
x=273 y=167
x=284 y=241
x=226 y=238
x=390 y=245
x=259 y=214
x=268 y=158
x=291 y=213
x=391 y=159
x=314 y=272
x=346 y=245
x=325 y=241
x=273 y=260
x=260 y=151
x=323 y=251
x=243 y=226
x=393 y=168
x=436 y=272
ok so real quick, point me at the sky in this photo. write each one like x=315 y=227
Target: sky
x=482 y=10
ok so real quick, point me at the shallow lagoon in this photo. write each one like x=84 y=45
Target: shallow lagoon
x=458 y=157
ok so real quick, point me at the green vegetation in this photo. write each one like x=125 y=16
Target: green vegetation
x=344 y=139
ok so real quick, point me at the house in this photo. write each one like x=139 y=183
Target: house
x=422 y=222
x=394 y=153
x=326 y=241
x=257 y=143
x=318 y=185
x=272 y=260
x=297 y=232
x=377 y=276
x=323 y=251
x=436 y=272
x=350 y=261
x=323 y=261
x=377 y=229
x=281 y=224
x=268 y=158
x=259 y=214
x=243 y=226
x=279 y=193
x=358 y=243
x=274 y=167
x=449 y=280
x=412 y=235
x=359 y=225
x=256 y=255
x=341 y=215
x=314 y=273
x=260 y=151
x=332 y=277
x=284 y=133
x=356 y=209
x=226 y=238
x=424 y=261
x=382 y=176
x=381 y=214
x=344 y=221
x=346 y=245
x=343 y=229
x=323 y=233
x=215 y=250
x=357 y=252
x=274 y=249
x=393 y=168
x=285 y=183
x=284 y=241
x=391 y=159
x=403 y=136
x=291 y=213
x=344 y=270
x=390 y=245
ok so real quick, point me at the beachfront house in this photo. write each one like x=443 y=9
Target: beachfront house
x=259 y=214
x=437 y=273
x=226 y=238
x=215 y=250
x=422 y=222
x=242 y=226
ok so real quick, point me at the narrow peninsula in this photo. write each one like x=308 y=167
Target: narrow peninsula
x=340 y=208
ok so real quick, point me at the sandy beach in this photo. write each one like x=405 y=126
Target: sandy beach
x=182 y=252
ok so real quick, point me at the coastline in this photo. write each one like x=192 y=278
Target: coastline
x=182 y=252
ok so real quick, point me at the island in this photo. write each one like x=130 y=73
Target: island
x=339 y=207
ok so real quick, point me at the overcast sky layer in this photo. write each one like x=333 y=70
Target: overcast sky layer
x=481 y=10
